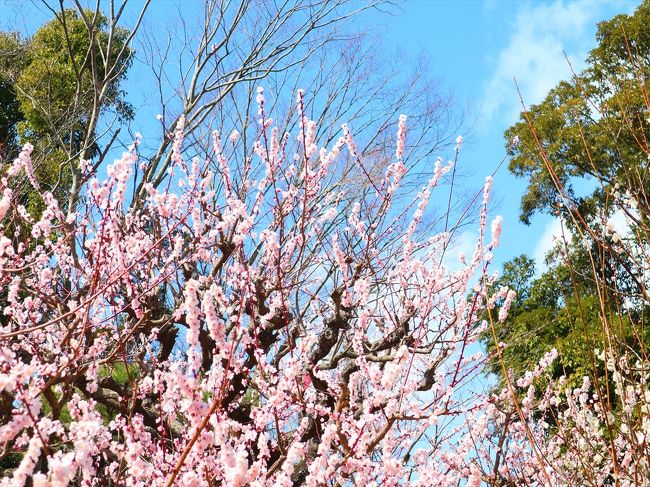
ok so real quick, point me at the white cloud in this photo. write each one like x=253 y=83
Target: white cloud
x=535 y=56
x=465 y=244
x=551 y=235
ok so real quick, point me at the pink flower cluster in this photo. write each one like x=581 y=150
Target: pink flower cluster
x=236 y=327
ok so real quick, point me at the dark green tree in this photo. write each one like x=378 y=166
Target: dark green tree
x=547 y=313
x=54 y=88
x=12 y=60
x=594 y=127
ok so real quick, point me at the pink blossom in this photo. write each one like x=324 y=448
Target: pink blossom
x=401 y=137
x=496 y=231
x=5 y=202
x=503 y=312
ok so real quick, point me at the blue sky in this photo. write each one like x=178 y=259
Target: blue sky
x=475 y=48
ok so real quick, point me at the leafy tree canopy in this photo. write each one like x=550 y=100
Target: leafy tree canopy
x=12 y=61
x=595 y=126
x=544 y=315
x=57 y=85
x=49 y=92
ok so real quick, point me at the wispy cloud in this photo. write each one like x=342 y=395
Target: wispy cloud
x=534 y=54
x=465 y=243
x=553 y=235
x=550 y=237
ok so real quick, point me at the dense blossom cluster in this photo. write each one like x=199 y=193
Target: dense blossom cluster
x=248 y=324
